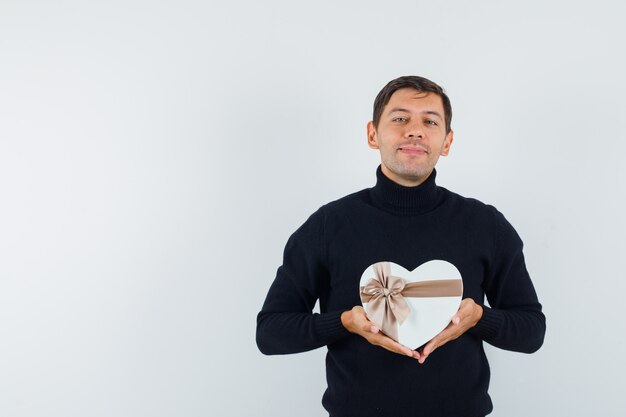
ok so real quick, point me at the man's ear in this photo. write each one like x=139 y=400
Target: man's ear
x=447 y=142
x=372 y=138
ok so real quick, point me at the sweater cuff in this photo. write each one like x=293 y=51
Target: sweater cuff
x=329 y=327
x=489 y=324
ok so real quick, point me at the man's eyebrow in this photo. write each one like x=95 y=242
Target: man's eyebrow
x=398 y=109
x=434 y=113
x=403 y=110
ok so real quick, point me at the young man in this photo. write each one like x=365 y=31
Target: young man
x=409 y=220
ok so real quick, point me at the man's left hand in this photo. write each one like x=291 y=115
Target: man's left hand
x=466 y=317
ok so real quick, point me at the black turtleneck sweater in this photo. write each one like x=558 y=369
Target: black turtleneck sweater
x=325 y=258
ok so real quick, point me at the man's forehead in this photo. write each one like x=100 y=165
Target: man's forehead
x=402 y=98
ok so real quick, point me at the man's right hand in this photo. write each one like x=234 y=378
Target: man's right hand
x=355 y=321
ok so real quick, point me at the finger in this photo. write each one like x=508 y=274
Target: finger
x=373 y=335
x=363 y=322
x=397 y=348
x=367 y=327
x=436 y=342
x=427 y=350
x=391 y=345
x=449 y=333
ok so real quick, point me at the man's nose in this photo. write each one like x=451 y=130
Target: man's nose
x=415 y=131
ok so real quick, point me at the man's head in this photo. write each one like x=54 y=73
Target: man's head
x=411 y=128
x=414 y=82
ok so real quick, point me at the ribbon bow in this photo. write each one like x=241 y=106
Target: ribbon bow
x=385 y=294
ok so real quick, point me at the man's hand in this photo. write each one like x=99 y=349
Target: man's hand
x=356 y=322
x=466 y=317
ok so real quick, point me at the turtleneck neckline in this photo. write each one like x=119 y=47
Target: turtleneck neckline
x=400 y=199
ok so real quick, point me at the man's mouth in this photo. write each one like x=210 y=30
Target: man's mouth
x=413 y=150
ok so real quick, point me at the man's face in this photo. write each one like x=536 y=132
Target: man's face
x=411 y=135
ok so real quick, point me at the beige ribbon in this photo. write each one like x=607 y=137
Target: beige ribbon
x=385 y=294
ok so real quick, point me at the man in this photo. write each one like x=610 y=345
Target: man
x=409 y=220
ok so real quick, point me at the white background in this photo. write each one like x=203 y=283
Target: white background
x=155 y=156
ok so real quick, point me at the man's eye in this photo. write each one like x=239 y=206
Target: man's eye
x=431 y=122
x=400 y=119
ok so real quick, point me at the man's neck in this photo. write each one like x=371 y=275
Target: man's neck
x=403 y=180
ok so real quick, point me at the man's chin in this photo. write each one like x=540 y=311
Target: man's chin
x=414 y=173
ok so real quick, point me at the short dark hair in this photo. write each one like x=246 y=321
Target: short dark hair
x=415 y=82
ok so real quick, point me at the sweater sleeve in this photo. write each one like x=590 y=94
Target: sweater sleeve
x=286 y=323
x=514 y=321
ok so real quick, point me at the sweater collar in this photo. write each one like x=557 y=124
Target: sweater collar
x=399 y=199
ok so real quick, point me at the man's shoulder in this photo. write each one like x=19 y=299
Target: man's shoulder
x=333 y=211
x=470 y=205
x=483 y=215
x=346 y=203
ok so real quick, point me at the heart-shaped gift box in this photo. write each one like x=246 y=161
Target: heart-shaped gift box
x=411 y=307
